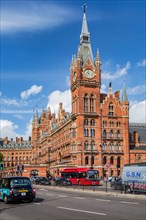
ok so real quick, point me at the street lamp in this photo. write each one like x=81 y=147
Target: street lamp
x=91 y=148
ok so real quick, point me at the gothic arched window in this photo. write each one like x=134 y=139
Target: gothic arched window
x=86 y=145
x=112 y=160
x=104 y=160
x=86 y=132
x=104 y=134
x=86 y=103
x=92 y=122
x=118 y=134
x=86 y=160
x=111 y=134
x=92 y=103
x=86 y=121
x=92 y=145
x=111 y=109
x=92 y=160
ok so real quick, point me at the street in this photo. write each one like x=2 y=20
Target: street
x=57 y=204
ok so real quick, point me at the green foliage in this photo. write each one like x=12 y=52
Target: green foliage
x=1 y=157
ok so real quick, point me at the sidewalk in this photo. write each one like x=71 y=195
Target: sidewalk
x=89 y=191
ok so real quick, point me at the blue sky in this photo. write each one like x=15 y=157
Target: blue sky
x=38 y=39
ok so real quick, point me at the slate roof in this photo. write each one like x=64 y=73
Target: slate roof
x=140 y=128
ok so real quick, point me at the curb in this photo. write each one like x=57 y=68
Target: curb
x=109 y=194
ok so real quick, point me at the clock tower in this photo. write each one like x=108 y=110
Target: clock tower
x=85 y=82
x=85 y=76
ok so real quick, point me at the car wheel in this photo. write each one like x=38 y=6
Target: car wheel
x=6 y=199
x=128 y=189
x=31 y=200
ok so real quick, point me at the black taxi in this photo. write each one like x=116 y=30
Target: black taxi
x=16 y=188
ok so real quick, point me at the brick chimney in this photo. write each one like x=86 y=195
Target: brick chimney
x=135 y=135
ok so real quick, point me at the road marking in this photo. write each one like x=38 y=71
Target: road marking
x=79 y=210
x=130 y=202
x=62 y=196
x=43 y=189
x=39 y=193
x=36 y=203
x=104 y=200
x=49 y=194
x=79 y=197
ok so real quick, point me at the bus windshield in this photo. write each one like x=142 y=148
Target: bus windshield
x=92 y=174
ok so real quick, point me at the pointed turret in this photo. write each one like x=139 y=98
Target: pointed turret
x=124 y=94
x=97 y=60
x=110 y=88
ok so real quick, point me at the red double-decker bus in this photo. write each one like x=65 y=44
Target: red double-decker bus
x=81 y=176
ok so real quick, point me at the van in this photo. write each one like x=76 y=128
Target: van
x=16 y=188
x=134 y=176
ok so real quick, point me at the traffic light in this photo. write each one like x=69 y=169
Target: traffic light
x=18 y=167
x=22 y=167
x=1 y=166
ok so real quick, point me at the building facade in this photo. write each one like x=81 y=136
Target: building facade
x=96 y=134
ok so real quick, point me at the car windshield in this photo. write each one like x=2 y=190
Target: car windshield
x=20 y=182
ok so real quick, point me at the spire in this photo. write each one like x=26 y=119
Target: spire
x=84 y=24
x=36 y=112
x=124 y=94
x=110 y=88
x=85 y=47
x=98 y=57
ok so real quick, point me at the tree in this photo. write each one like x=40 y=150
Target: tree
x=1 y=157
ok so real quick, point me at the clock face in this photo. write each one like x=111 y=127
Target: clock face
x=74 y=76
x=89 y=74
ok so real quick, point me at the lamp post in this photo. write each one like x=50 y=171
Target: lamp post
x=91 y=148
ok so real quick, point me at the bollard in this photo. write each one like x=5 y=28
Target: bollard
x=106 y=185
x=125 y=187
x=133 y=187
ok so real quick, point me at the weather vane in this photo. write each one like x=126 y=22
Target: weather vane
x=84 y=6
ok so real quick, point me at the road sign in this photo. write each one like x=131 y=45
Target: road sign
x=108 y=165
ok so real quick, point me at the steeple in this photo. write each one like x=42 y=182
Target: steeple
x=110 y=88
x=124 y=94
x=85 y=47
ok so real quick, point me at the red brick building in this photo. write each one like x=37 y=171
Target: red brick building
x=96 y=132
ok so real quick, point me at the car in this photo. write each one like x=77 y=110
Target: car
x=16 y=188
x=63 y=182
x=117 y=184
x=42 y=181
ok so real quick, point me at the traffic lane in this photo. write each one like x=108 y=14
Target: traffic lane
x=113 y=207
x=58 y=205
x=126 y=197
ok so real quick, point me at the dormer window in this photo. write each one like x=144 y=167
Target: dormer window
x=85 y=38
x=111 y=109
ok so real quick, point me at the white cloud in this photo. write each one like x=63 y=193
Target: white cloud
x=119 y=72
x=32 y=91
x=56 y=97
x=136 y=90
x=9 y=102
x=8 y=129
x=103 y=88
x=141 y=63
x=137 y=112
x=29 y=16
